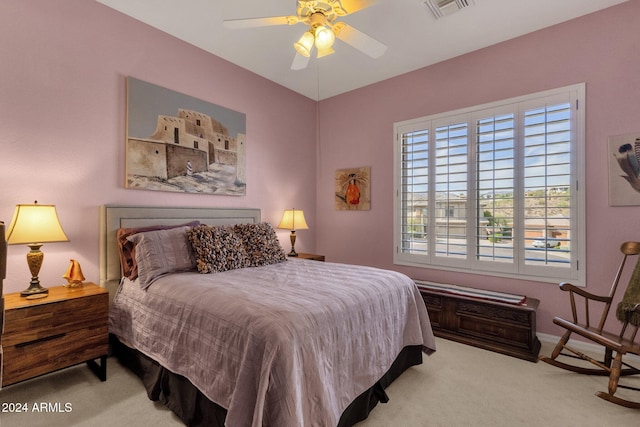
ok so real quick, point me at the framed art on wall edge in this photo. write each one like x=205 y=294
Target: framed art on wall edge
x=624 y=169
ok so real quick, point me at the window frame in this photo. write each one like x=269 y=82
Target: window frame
x=518 y=269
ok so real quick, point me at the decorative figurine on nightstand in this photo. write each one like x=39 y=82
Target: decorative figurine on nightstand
x=74 y=275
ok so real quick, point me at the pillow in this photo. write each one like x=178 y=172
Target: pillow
x=261 y=243
x=162 y=252
x=217 y=249
x=127 y=248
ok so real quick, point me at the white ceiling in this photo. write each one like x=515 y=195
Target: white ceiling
x=415 y=38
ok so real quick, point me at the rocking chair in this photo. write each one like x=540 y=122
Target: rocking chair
x=626 y=341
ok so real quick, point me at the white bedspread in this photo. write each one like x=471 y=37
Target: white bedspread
x=289 y=344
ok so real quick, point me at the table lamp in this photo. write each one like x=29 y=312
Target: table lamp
x=293 y=220
x=34 y=225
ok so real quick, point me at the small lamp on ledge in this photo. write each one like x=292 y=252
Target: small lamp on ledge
x=34 y=225
x=293 y=220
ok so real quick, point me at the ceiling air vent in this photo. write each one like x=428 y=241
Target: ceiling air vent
x=441 y=8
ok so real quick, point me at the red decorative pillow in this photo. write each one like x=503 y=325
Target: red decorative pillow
x=128 y=248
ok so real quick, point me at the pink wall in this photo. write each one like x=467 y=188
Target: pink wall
x=62 y=107
x=601 y=49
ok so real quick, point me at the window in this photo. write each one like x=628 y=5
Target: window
x=494 y=189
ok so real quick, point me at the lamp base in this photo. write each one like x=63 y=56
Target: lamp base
x=292 y=238
x=34 y=260
x=33 y=289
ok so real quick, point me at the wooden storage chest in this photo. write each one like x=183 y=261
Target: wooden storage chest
x=505 y=328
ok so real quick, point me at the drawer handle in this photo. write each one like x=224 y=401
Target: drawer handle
x=39 y=340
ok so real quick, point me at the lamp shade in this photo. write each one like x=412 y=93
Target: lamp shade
x=35 y=224
x=293 y=219
x=324 y=37
x=324 y=52
x=305 y=44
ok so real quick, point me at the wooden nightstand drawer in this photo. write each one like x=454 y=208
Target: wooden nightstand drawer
x=44 y=320
x=314 y=257
x=67 y=327
x=30 y=359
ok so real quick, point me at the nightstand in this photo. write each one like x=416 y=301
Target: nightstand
x=66 y=328
x=314 y=257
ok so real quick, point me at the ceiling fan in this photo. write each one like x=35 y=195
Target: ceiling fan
x=321 y=18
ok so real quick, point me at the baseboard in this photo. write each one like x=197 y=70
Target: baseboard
x=583 y=346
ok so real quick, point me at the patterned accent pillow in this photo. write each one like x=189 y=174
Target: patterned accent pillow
x=260 y=243
x=217 y=249
x=162 y=252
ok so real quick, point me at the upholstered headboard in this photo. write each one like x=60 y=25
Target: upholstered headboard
x=113 y=217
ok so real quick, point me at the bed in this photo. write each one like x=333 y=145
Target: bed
x=265 y=340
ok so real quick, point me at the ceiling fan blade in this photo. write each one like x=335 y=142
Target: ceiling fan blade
x=364 y=43
x=299 y=62
x=352 y=6
x=235 y=24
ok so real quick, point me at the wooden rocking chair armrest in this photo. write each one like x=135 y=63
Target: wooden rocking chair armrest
x=573 y=288
x=591 y=334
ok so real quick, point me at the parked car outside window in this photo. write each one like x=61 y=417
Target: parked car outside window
x=546 y=243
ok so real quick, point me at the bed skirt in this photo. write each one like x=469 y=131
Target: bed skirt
x=194 y=409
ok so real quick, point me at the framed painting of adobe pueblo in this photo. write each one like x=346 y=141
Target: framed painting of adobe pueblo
x=179 y=143
x=353 y=189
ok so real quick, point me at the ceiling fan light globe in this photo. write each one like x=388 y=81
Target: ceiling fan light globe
x=302 y=50
x=325 y=52
x=324 y=37
x=305 y=44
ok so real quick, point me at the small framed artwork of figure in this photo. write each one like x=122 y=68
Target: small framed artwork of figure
x=353 y=189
